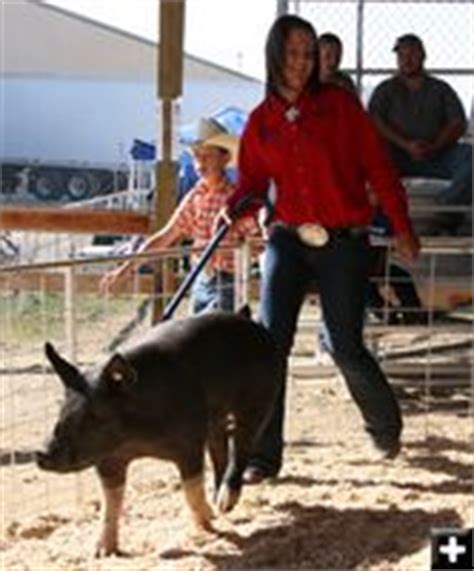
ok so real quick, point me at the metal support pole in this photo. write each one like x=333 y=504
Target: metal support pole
x=69 y=312
x=282 y=7
x=360 y=45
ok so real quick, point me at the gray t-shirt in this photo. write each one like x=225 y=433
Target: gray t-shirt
x=416 y=114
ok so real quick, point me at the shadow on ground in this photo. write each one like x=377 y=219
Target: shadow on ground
x=327 y=538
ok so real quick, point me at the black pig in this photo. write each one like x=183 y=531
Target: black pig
x=206 y=380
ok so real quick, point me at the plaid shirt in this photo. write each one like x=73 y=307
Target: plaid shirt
x=195 y=219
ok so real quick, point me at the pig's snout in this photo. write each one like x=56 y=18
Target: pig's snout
x=58 y=458
x=43 y=459
x=52 y=459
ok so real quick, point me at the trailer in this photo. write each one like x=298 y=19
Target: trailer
x=76 y=93
x=56 y=181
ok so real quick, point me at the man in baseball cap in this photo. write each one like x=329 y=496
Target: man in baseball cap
x=409 y=40
x=423 y=119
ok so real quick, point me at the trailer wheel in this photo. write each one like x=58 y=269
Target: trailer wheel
x=47 y=184
x=82 y=185
x=8 y=179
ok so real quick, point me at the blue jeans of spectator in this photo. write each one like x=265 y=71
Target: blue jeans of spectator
x=213 y=291
x=340 y=269
x=454 y=164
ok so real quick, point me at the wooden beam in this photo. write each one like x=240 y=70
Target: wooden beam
x=170 y=70
x=73 y=220
x=170 y=87
x=170 y=84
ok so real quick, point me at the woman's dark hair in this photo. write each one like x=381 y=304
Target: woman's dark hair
x=275 y=50
x=330 y=38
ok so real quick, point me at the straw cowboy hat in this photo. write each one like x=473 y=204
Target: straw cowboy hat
x=211 y=133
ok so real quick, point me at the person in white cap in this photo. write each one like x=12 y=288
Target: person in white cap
x=194 y=217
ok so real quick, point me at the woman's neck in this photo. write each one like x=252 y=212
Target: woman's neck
x=288 y=94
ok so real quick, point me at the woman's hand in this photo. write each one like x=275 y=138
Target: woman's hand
x=407 y=246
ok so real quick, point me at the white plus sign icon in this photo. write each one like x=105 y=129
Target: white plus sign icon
x=453 y=550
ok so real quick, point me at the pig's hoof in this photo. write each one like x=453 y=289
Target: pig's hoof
x=227 y=498
x=204 y=525
x=199 y=533
x=104 y=550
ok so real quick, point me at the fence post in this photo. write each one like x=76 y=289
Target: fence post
x=70 y=311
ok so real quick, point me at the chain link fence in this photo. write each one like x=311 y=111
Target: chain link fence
x=369 y=28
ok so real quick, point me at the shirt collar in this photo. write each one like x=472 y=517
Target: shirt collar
x=223 y=185
x=280 y=105
x=277 y=99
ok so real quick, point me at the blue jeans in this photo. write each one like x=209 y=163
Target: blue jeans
x=211 y=292
x=453 y=164
x=340 y=269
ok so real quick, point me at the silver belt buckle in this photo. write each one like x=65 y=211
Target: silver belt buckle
x=313 y=235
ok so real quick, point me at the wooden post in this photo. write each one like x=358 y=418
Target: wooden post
x=170 y=87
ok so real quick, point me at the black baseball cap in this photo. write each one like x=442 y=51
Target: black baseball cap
x=409 y=40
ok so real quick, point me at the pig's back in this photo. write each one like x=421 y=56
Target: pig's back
x=218 y=351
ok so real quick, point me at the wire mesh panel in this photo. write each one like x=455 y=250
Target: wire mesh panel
x=61 y=303
x=369 y=28
x=428 y=364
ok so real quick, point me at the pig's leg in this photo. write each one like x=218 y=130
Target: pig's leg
x=217 y=443
x=112 y=474
x=191 y=467
x=241 y=441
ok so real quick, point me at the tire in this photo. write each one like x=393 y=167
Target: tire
x=47 y=184
x=82 y=185
x=9 y=179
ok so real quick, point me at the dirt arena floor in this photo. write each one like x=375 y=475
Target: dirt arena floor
x=333 y=506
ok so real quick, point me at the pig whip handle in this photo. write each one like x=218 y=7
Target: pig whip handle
x=207 y=253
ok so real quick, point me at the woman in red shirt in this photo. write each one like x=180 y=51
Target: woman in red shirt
x=319 y=148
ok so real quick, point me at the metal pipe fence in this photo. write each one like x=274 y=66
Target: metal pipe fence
x=60 y=302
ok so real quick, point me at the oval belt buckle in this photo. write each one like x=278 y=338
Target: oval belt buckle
x=313 y=235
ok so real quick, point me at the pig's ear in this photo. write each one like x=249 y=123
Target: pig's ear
x=118 y=373
x=69 y=375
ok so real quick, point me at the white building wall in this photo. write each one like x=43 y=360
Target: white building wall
x=74 y=90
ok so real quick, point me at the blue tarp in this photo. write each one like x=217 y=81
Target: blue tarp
x=142 y=151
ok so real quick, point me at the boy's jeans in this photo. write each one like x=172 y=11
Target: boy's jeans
x=211 y=292
x=340 y=269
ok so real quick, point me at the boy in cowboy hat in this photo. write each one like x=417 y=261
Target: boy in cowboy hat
x=194 y=218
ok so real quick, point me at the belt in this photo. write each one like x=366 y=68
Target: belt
x=323 y=235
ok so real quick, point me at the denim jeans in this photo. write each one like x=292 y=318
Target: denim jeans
x=211 y=292
x=453 y=164
x=340 y=269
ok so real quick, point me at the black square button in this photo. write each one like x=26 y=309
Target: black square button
x=451 y=548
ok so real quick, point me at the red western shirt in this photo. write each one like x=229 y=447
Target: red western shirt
x=320 y=162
